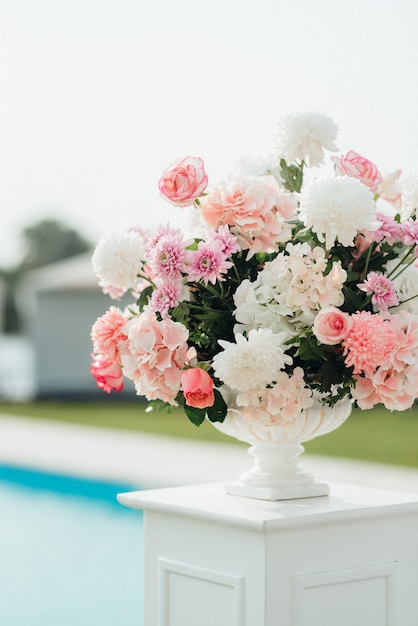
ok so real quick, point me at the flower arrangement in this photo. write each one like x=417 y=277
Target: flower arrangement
x=284 y=287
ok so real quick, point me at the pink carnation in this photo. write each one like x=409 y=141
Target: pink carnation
x=184 y=181
x=382 y=289
x=357 y=166
x=154 y=356
x=108 y=332
x=369 y=343
x=249 y=206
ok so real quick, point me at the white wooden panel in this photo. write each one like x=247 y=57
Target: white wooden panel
x=362 y=596
x=198 y=596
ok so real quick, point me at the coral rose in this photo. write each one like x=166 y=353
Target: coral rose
x=108 y=374
x=331 y=325
x=357 y=166
x=184 y=181
x=197 y=388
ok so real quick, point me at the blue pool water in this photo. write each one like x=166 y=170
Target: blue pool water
x=70 y=555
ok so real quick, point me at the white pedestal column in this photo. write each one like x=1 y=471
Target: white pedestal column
x=213 y=559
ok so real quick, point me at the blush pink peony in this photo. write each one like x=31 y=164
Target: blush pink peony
x=198 y=388
x=331 y=326
x=251 y=207
x=184 y=181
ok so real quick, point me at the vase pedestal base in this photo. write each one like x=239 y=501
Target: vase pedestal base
x=212 y=559
x=285 y=492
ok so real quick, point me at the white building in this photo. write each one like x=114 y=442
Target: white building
x=59 y=303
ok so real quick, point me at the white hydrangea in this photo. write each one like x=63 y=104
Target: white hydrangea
x=118 y=258
x=406 y=285
x=289 y=290
x=304 y=136
x=337 y=208
x=253 y=362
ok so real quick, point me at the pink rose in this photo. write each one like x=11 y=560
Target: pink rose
x=184 y=181
x=108 y=374
x=356 y=166
x=331 y=325
x=197 y=388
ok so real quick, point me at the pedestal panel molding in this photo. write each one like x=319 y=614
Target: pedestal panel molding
x=368 y=592
x=181 y=585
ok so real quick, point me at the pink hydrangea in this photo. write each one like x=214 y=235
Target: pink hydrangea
x=207 y=263
x=251 y=207
x=154 y=355
x=108 y=332
x=382 y=289
x=280 y=404
x=369 y=342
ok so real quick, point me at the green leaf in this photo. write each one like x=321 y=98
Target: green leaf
x=217 y=412
x=144 y=297
x=196 y=416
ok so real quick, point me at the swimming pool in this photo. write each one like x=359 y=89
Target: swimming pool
x=70 y=555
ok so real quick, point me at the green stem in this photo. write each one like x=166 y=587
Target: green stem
x=369 y=256
x=405 y=256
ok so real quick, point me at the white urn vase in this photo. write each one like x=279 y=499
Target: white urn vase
x=276 y=474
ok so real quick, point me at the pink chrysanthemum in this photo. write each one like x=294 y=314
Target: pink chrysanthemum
x=207 y=263
x=164 y=297
x=166 y=253
x=389 y=229
x=107 y=333
x=369 y=343
x=226 y=240
x=383 y=290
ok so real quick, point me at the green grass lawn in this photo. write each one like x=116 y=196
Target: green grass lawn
x=376 y=435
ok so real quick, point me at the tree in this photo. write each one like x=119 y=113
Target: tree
x=46 y=241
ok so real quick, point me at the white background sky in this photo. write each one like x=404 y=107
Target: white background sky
x=99 y=96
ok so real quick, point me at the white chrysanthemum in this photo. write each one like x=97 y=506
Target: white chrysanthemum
x=337 y=208
x=409 y=190
x=304 y=136
x=406 y=285
x=118 y=258
x=251 y=363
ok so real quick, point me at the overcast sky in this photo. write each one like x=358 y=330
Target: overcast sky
x=99 y=96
